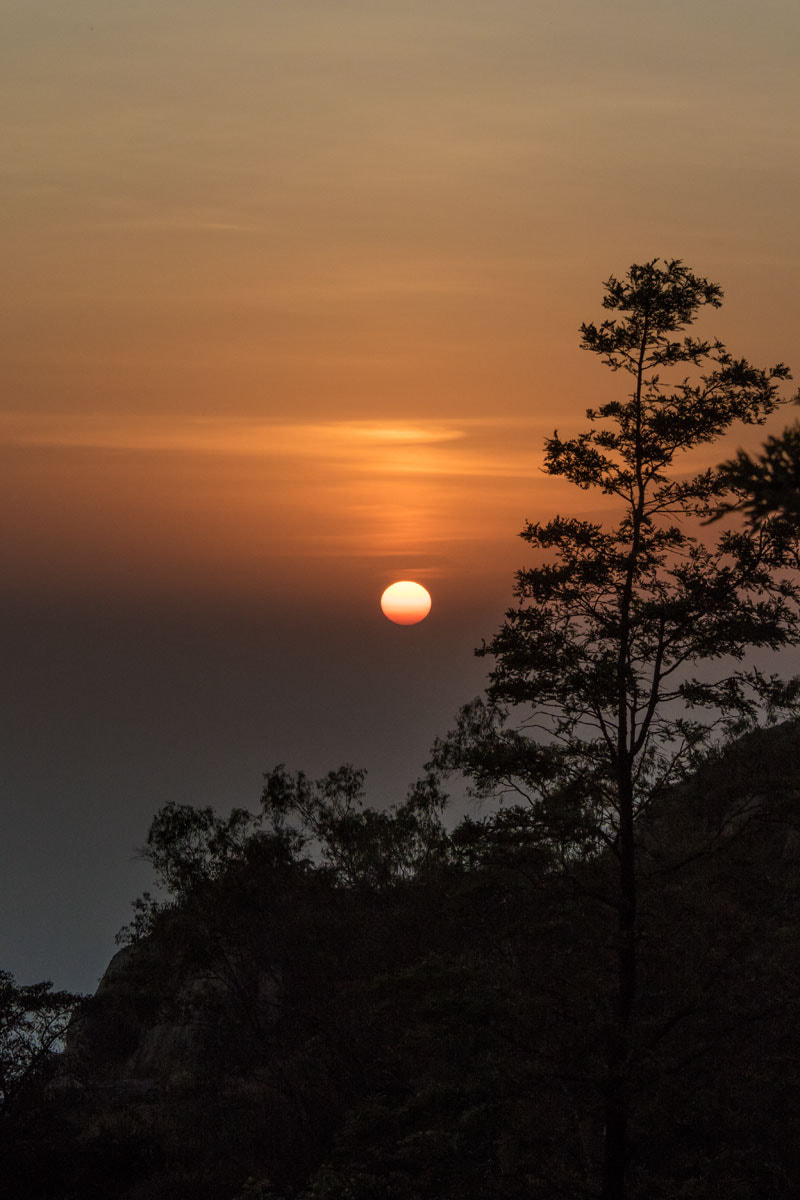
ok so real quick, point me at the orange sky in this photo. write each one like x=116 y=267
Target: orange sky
x=293 y=282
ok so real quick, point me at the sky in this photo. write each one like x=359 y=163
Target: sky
x=291 y=296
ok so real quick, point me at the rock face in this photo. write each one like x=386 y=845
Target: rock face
x=753 y=782
x=144 y=1041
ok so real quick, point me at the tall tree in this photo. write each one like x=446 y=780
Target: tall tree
x=622 y=661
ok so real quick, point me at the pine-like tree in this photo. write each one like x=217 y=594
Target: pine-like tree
x=623 y=661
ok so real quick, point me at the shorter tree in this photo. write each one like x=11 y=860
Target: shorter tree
x=33 y=1024
x=357 y=843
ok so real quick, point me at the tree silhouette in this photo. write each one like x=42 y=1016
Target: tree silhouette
x=768 y=484
x=604 y=694
x=33 y=1023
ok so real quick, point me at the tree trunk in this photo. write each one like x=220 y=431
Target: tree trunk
x=617 y=1105
x=615 y=1146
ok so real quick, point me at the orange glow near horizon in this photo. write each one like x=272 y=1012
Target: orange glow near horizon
x=147 y=506
x=254 y=506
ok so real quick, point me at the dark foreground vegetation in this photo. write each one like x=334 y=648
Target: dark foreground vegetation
x=426 y=1015
x=592 y=989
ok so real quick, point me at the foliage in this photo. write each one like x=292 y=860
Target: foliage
x=358 y=844
x=190 y=849
x=766 y=485
x=33 y=1023
x=301 y=819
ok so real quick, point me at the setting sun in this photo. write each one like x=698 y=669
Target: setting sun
x=406 y=603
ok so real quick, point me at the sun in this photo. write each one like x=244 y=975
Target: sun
x=406 y=603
